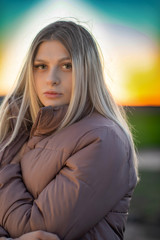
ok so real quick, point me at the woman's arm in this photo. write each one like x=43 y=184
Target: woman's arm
x=94 y=179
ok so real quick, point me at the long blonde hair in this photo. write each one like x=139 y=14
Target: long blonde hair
x=89 y=87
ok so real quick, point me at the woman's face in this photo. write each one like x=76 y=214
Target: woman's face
x=53 y=74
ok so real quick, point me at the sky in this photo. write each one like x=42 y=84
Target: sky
x=128 y=33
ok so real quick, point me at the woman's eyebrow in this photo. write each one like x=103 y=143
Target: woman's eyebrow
x=59 y=60
x=65 y=58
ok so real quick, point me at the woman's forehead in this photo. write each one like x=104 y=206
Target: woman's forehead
x=50 y=50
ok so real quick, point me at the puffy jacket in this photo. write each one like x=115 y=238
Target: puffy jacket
x=76 y=183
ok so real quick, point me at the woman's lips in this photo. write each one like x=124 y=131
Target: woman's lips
x=52 y=95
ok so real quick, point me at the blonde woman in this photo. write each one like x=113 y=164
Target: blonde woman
x=68 y=166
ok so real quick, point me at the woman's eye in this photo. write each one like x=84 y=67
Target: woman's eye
x=67 y=66
x=40 y=66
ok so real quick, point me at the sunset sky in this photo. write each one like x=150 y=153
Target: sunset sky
x=127 y=31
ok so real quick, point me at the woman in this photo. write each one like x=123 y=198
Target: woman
x=68 y=164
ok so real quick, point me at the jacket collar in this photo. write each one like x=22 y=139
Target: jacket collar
x=48 y=120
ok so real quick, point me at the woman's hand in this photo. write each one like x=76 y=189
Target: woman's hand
x=38 y=235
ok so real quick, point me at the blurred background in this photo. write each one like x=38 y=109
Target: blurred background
x=128 y=33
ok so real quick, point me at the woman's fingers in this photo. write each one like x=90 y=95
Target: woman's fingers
x=47 y=236
x=38 y=235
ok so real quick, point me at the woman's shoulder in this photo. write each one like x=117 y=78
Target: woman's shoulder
x=88 y=129
x=98 y=125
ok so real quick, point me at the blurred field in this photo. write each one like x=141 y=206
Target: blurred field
x=146 y=201
x=146 y=126
x=144 y=215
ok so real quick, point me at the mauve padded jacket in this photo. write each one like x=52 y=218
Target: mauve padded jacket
x=76 y=183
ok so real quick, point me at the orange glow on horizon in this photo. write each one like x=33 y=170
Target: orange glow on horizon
x=154 y=101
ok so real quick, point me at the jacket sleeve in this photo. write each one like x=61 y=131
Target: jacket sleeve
x=93 y=180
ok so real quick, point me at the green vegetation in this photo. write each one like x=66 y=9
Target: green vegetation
x=145 y=122
x=145 y=204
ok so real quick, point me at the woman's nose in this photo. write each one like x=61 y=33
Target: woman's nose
x=53 y=78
